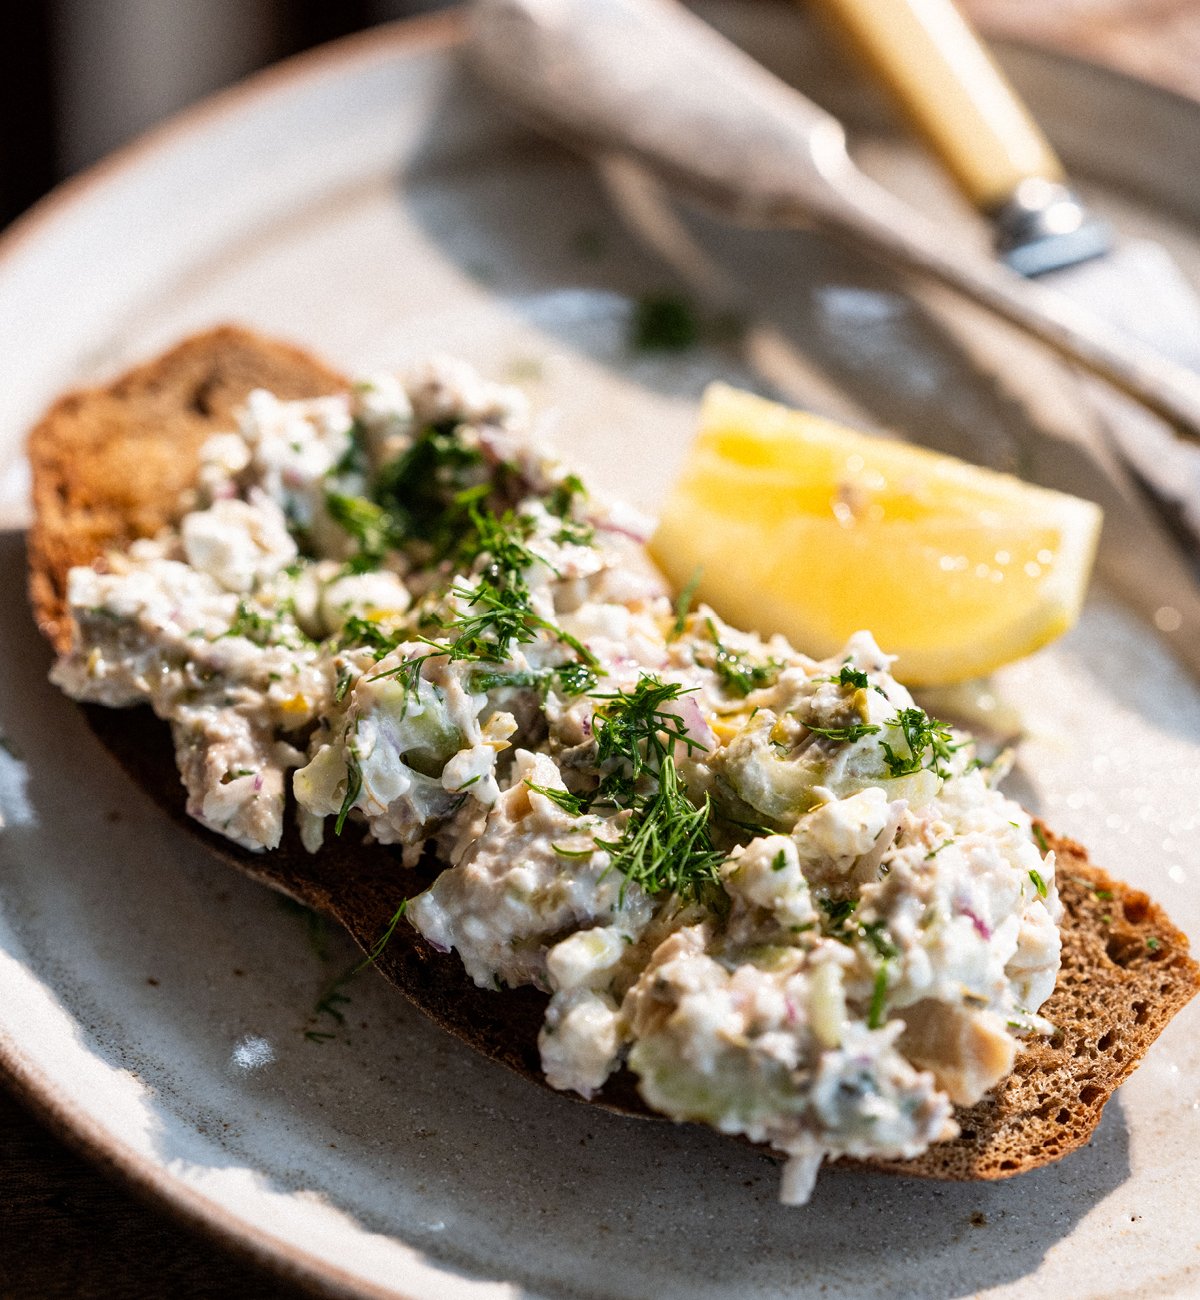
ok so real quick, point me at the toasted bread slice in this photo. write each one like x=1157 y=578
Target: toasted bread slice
x=110 y=464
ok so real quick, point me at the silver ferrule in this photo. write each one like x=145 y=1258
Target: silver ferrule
x=1043 y=226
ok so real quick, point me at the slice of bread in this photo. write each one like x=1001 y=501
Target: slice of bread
x=109 y=465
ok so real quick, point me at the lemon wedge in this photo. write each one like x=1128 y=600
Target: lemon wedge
x=798 y=525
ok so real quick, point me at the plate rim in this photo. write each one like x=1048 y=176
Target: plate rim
x=152 y=1184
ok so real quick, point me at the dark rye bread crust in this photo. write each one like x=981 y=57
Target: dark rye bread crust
x=109 y=465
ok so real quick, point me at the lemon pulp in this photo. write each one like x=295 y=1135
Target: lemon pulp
x=800 y=526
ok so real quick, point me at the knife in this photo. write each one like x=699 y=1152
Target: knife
x=648 y=83
x=647 y=79
x=949 y=86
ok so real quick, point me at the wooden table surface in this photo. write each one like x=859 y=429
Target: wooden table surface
x=66 y=1230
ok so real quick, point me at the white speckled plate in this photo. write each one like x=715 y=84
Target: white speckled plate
x=164 y=1012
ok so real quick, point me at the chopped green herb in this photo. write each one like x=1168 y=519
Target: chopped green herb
x=384 y=939
x=574 y=853
x=683 y=603
x=576 y=678
x=568 y=802
x=358 y=631
x=666 y=848
x=838 y=912
x=371 y=526
x=1153 y=944
x=755 y=829
x=427 y=491
x=560 y=503
x=634 y=730
x=853 y=732
x=738 y=674
x=664 y=323
x=878 y=997
x=354 y=459
x=1039 y=835
x=1102 y=894
x=1038 y=883
x=934 y=852
x=235 y=773
x=252 y=624
x=354 y=783
x=779 y=861
x=848 y=676
x=345 y=678
x=921 y=733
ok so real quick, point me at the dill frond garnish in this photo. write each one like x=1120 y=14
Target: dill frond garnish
x=921 y=733
x=632 y=727
x=374 y=529
x=666 y=848
x=739 y=674
x=384 y=939
x=255 y=625
x=354 y=784
x=684 y=602
x=358 y=631
x=561 y=502
x=854 y=731
x=568 y=802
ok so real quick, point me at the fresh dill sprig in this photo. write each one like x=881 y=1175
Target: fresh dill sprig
x=921 y=733
x=374 y=529
x=568 y=802
x=253 y=624
x=634 y=729
x=358 y=631
x=384 y=939
x=666 y=847
x=560 y=502
x=345 y=679
x=428 y=490
x=354 y=784
x=576 y=678
x=756 y=830
x=850 y=733
x=878 y=996
x=684 y=602
x=737 y=673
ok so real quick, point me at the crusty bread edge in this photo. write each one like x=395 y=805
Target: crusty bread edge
x=62 y=491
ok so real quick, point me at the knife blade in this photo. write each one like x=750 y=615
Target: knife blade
x=956 y=96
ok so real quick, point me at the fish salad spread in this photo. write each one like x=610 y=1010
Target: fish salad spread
x=778 y=891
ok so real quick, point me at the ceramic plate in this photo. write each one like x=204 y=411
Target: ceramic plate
x=175 y=1020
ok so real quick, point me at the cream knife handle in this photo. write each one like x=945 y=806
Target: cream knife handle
x=951 y=88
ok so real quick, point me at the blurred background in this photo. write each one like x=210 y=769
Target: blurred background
x=80 y=77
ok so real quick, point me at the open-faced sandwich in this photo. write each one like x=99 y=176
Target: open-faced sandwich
x=416 y=672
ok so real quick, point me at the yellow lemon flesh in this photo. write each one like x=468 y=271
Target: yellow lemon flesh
x=797 y=525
